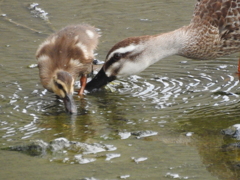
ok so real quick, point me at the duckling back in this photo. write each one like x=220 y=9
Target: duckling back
x=71 y=49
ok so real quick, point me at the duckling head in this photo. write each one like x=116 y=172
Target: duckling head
x=63 y=87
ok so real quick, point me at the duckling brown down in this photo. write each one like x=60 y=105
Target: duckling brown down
x=64 y=56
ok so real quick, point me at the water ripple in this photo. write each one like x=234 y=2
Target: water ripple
x=210 y=85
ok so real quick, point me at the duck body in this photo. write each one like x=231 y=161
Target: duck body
x=214 y=31
x=63 y=57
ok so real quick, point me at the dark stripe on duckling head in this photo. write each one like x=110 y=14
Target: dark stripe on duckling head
x=65 y=80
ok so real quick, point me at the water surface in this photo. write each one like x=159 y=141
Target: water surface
x=163 y=123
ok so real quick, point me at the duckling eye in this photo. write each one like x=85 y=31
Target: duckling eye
x=59 y=86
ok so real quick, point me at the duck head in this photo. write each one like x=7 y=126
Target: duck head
x=124 y=59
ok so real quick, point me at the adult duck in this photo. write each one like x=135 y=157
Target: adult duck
x=213 y=32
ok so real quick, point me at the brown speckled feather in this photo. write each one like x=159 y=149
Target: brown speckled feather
x=216 y=27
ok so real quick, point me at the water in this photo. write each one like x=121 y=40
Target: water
x=163 y=123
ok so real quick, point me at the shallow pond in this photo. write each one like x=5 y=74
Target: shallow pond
x=164 y=123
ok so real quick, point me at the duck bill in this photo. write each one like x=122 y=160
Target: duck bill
x=101 y=79
x=70 y=104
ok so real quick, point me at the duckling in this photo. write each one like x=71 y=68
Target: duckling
x=214 y=31
x=64 y=56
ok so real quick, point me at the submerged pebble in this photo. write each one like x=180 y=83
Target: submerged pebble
x=35 y=148
x=63 y=150
x=233 y=131
x=231 y=146
x=142 y=134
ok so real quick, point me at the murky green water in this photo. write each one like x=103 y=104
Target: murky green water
x=138 y=131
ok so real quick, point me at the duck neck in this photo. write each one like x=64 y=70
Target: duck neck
x=164 y=45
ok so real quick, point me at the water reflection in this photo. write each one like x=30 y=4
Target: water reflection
x=211 y=143
x=167 y=101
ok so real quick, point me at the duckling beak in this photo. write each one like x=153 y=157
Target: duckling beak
x=70 y=104
x=101 y=79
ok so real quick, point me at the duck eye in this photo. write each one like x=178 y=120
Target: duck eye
x=117 y=56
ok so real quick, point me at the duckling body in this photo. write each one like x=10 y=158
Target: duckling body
x=63 y=57
x=214 y=31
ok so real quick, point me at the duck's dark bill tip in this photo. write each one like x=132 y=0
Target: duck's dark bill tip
x=100 y=80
